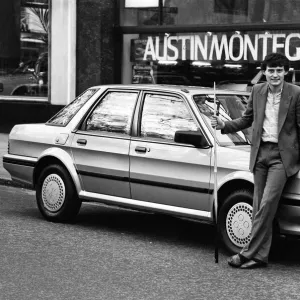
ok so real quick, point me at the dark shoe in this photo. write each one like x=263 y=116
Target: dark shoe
x=253 y=264
x=236 y=260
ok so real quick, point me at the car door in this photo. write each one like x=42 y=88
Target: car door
x=101 y=145
x=162 y=171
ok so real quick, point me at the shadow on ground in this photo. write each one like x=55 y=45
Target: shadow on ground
x=163 y=229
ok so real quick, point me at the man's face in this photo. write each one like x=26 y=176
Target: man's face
x=275 y=75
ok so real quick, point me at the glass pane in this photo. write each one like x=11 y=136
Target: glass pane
x=24 y=27
x=201 y=12
x=113 y=114
x=230 y=107
x=163 y=116
x=231 y=60
x=139 y=17
x=64 y=116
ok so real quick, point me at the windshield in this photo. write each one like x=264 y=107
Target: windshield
x=230 y=107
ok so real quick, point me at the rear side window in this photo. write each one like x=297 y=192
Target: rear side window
x=63 y=117
x=113 y=114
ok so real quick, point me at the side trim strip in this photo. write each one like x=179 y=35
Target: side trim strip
x=172 y=186
x=148 y=182
x=131 y=203
x=106 y=176
x=23 y=161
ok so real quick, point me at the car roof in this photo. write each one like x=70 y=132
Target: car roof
x=193 y=90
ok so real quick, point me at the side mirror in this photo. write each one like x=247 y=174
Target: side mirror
x=194 y=138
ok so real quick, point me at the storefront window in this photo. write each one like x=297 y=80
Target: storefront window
x=24 y=28
x=231 y=60
x=201 y=12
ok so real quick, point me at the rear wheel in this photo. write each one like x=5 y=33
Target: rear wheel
x=56 y=194
x=235 y=220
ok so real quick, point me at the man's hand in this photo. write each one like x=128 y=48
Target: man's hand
x=217 y=122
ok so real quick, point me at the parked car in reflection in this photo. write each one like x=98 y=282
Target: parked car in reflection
x=16 y=77
x=30 y=78
x=161 y=78
x=149 y=148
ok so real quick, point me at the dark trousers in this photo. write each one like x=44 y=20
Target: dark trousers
x=269 y=181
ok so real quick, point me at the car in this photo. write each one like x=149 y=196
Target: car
x=148 y=148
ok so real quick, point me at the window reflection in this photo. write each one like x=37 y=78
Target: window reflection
x=64 y=116
x=24 y=27
x=193 y=12
x=113 y=114
x=230 y=59
x=230 y=107
x=163 y=116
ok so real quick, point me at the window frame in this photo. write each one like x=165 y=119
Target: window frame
x=210 y=129
x=48 y=123
x=82 y=125
x=160 y=140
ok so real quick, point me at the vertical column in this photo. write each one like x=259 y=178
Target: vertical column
x=63 y=51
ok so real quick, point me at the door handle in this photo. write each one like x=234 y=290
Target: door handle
x=141 y=149
x=81 y=141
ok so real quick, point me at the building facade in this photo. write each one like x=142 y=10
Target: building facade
x=202 y=42
x=52 y=50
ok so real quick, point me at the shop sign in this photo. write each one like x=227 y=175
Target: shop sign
x=211 y=47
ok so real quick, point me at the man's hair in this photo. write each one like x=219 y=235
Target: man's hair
x=273 y=60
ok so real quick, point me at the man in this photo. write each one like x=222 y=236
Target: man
x=273 y=111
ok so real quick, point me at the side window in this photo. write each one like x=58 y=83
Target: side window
x=231 y=106
x=64 y=116
x=113 y=113
x=163 y=115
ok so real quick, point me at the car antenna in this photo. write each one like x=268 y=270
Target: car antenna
x=216 y=112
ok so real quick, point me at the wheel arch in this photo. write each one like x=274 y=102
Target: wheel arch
x=57 y=156
x=238 y=180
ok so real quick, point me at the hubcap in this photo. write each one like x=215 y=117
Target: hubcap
x=53 y=192
x=239 y=223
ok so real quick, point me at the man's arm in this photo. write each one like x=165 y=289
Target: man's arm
x=243 y=122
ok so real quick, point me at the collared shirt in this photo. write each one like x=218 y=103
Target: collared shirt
x=270 y=125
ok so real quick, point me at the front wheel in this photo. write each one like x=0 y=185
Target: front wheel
x=56 y=195
x=235 y=220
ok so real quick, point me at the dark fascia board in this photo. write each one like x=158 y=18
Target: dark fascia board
x=209 y=27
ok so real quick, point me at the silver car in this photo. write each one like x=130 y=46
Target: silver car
x=146 y=147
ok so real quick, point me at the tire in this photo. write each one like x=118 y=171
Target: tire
x=56 y=195
x=235 y=220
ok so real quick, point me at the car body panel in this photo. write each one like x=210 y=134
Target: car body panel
x=65 y=157
x=103 y=163
x=170 y=174
x=32 y=139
